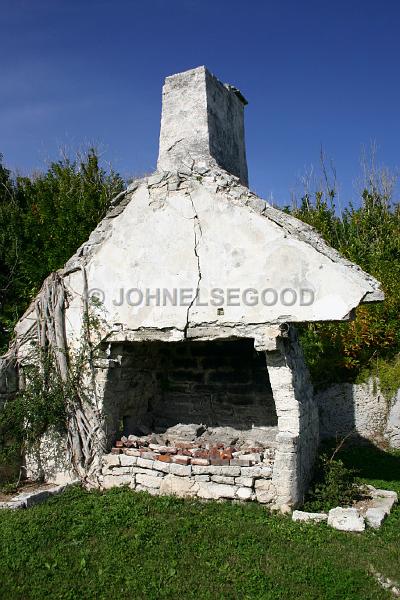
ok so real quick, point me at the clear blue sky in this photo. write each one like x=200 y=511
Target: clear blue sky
x=74 y=72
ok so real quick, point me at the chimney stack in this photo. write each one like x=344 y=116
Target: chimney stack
x=202 y=118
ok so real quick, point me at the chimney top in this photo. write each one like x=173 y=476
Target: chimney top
x=202 y=119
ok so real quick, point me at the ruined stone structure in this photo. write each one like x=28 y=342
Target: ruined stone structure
x=360 y=409
x=201 y=381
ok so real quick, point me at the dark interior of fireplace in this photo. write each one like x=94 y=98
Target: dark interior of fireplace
x=204 y=394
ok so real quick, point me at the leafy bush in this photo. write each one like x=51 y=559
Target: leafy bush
x=334 y=485
x=370 y=237
x=389 y=376
x=43 y=220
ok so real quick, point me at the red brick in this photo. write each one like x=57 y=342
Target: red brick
x=180 y=459
x=116 y=451
x=226 y=454
x=119 y=444
x=202 y=462
x=171 y=450
x=200 y=454
x=164 y=458
x=184 y=445
x=185 y=452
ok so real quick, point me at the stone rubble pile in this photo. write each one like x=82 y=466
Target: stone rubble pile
x=201 y=451
x=191 y=469
x=370 y=512
x=31 y=496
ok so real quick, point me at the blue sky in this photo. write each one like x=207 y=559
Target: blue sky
x=74 y=72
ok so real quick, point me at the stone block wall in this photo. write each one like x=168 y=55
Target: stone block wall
x=362 y=409
x=233 y=482
x=226 y=386
x=298 y=437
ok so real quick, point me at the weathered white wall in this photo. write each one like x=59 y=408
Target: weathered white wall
x=49 y=460
x=199 y=233
x=298 y=426
x=361 y=408
x=392 y=429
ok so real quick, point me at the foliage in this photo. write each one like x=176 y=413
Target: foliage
x=24 y=419
x=47 y=401
x=387 y=372
x=43 y=220
x=389 y=376
x=370 y=237
x=10 y=487
x=334 y=485
x=91 y=545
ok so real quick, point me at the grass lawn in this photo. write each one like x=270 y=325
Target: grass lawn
x=122 y=544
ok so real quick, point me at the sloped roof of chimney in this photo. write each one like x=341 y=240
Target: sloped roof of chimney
x=210 y=227
x=203 y=120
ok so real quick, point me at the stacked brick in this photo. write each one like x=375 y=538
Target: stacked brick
x=176 y=470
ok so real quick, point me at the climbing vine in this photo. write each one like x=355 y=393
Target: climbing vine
x=59 y=390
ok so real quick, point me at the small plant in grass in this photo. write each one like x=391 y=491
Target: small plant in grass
x=9 y=488
x=388 y=373
x=334 y=484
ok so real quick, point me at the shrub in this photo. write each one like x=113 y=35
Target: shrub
x=43 y=220
x=334 y=485
x=370 y=237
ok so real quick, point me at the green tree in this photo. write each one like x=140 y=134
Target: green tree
x=370 y=237
x=43 y=220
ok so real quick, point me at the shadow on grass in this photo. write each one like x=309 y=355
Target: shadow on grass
x=369 y=461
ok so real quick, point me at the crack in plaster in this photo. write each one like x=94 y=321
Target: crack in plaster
x=196 y=225
x=175 y=144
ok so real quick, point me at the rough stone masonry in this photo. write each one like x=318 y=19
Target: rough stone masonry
x=232 y=371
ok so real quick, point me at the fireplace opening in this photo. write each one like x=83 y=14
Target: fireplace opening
x=205 y=398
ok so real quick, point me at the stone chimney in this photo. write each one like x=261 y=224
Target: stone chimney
x=202 y=118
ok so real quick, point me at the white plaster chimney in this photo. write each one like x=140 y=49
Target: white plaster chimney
x=202 y=118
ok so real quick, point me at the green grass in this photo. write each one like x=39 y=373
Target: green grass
x=122 y=544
